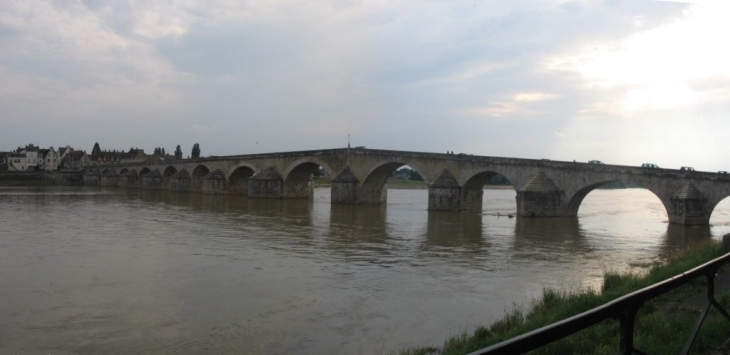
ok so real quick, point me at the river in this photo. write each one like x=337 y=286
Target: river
x=113 y=271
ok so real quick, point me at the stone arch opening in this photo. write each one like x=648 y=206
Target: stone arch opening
x=237 y=180
x=169 y=171
x=374 y=188
x=199 y=173
x=144 y=171
x=472 y=192
x=105 y=171
x=720 y=215
x=299 y=182
x=631 y=194
x=123 y=171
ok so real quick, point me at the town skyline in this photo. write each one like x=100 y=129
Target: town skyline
x=624 y=82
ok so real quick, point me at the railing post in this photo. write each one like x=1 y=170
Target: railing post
x=627 y=318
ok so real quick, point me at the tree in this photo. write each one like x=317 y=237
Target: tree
x=196 y=151
x=162 y=151
x=96 y=151
x=178 y=152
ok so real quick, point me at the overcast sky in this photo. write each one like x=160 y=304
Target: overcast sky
x=623 y=81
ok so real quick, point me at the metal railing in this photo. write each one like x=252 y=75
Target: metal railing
x=623 y=308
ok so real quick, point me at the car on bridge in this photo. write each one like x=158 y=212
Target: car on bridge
x=595 y=162
x=687 y=168
x=649 y=166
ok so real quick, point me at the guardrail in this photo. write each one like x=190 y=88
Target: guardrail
x=623 y=308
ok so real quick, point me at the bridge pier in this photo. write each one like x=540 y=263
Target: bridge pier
x=299 y=189
x=180 y=181
x=92 y=177
x=444 y=193
x=689 y=207
x=109 y=178
x=266 y=184
x=152 y=180
x=345 y=187
x=214 y=183
x=128 y=179
x=540 y=197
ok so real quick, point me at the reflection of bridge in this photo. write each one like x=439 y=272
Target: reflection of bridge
x=455 y=182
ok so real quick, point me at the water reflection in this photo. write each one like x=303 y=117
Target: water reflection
x=545 y=238
x=357 y=224
x=446 y=229
x=679 y=237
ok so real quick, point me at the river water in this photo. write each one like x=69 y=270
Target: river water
x=114 y=271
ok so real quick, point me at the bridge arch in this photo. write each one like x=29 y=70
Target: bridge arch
x=297 y=165
x=105 y=171
x=196 y=178
x=576 y=199
x=373 y=187
x=123 y=171
x=722 y=203
x=472 y=192
x=167 y=173
x=144 y=171
x=237 y=178
x=298 y=175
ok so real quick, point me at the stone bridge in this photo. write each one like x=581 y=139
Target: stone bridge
x=455 y=182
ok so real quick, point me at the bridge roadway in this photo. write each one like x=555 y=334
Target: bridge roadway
x=455 y=182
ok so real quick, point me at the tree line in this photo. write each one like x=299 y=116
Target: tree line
x=159 y=151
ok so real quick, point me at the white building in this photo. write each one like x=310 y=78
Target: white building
x=31 y=158
x=49 y=159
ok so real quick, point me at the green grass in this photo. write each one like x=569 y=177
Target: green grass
x=662 y=327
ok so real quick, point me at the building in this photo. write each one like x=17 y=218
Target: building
x=24 y=159
x=73 y=159
x=50 y=159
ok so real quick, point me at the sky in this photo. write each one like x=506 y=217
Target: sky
x=625 y=81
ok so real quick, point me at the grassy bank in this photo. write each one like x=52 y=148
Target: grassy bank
x=662 y=325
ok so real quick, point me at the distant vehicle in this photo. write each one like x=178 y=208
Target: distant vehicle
x=649 y=166
x=360 y=147
x=687 y=168
x=544 y=159
x=595 y=162
x=723 y=172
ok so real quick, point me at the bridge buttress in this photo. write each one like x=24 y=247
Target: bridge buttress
x=689 y=206
x=152 y=180
x=214 y=183
x=345 y=187
x=541 y=197
x=109 y=178
x=444 y=193
x=266 y=184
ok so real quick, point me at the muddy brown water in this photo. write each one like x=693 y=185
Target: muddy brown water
x=113 y=271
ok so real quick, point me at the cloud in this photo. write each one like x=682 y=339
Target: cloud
x=496 y=78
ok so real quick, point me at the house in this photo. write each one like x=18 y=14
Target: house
x=50 y=159
x=73 y=159
x=134 y=155
x=78 y=160
x=24 y=159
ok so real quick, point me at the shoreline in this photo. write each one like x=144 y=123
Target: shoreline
x=658 y=320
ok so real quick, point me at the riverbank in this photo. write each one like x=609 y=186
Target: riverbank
x=662 y=325
x=33 y=178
